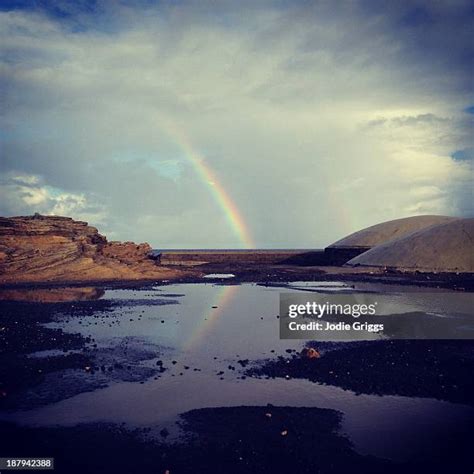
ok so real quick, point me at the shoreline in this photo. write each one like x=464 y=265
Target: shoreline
x=270 y=274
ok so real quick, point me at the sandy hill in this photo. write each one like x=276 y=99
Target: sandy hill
x=445 y=247
x=381 y=233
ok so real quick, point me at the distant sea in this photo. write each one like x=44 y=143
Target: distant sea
x=238 y=250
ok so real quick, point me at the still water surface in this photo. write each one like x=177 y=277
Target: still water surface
x=208 y=327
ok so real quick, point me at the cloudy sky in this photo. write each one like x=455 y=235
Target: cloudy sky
x=161 y=121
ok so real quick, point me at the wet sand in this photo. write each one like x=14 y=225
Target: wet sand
x=272 y=273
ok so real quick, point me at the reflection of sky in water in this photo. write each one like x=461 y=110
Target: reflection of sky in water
x=405 y=312
x=211 y=328
x=219 y=275
x=395 y=299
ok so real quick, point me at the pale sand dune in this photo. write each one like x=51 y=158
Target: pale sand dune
x=381 y=233
x=446 y=247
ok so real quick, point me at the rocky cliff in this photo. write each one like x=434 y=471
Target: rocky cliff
x=49 y=248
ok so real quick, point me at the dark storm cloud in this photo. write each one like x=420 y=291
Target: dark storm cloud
x=298 y=106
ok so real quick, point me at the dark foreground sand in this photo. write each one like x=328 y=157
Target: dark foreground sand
x=221 y=440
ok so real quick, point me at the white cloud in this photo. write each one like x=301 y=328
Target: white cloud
x=27 y=194
x=33 y=196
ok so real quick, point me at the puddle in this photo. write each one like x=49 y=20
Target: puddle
x=219 y=275
x=204 y=339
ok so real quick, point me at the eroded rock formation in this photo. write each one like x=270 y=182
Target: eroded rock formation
x=49 y=248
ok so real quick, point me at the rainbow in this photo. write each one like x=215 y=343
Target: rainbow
x=222 y=299
x=233 y=217
x=214 y=185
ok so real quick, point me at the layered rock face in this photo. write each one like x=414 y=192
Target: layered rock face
x=49 y=248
